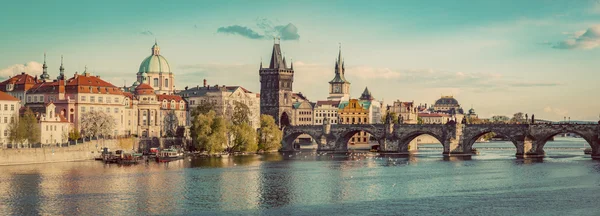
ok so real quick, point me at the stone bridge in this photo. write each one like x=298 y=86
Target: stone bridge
x=457 y=139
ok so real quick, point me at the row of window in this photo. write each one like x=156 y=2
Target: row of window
x=12 y=120
x=156 y=82
x=304 y=113
x=12 y=107
x=100 y=99
x=83 y=109
x=353 y=120
x=305 y=119
x=320 y=121
x=327 y=114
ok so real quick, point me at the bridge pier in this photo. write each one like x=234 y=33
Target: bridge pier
x=455 y=144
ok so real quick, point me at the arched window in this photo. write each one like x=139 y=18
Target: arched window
x=166 y=82
x=155 y=82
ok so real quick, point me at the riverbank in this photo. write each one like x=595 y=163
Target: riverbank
x=79 y=152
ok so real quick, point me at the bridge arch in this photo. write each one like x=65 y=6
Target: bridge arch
x=543 y=139
x=289 y=138
x=470 y=141
x=345 y=138
x=406 y=139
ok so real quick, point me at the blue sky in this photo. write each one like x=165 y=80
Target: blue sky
x=498 y=56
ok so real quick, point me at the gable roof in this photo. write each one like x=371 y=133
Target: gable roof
x=6 y=97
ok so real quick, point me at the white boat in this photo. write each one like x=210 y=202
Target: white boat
x=167 y=155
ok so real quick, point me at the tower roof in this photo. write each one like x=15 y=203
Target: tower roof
x=366 y=95
x=339 y=70
x=277 y=60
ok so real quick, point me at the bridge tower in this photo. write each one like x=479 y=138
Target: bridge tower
x=276 y=88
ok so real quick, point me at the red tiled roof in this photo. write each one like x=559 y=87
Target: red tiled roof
x=22 y=82
x=169 y=98
x=90 y=84
x=47 y=87
x=144 y=89
x=6 y=97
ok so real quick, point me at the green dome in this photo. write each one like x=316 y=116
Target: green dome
x=155 y=63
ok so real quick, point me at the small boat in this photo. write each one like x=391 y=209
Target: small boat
x=167 y=155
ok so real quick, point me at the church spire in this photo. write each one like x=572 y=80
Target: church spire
x=339 y=69
x=45 y=75
x=61 y=69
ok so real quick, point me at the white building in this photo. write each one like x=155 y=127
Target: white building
x=54 y=128
x=9 y=114
x=326 y=110
x=223 y=99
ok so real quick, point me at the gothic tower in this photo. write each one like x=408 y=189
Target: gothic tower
x=339 y=87
x=276 y=88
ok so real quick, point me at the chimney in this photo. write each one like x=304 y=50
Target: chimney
x=204 y=82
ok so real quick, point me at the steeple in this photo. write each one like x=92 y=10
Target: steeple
x=61 y=69
x=155 y=49
x=277 y=61
x=45 y=75
x=339 y=69
x=292 y=64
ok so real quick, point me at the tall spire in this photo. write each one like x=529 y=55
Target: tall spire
x=276 y=58
x=61 y=69
x=339 y=68
x=45 y=75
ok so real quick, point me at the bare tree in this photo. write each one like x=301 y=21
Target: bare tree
x=95 y=123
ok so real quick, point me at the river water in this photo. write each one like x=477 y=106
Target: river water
x=565 y=182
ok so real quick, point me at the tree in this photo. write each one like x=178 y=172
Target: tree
x=74 y=134
x=419 y=120
x=171 y=122
x=499 y=119
x=16 y=132
x=96 y=123
x=488 y=136
x=244 y=138
x=30 y=126
x=241 y=113
x=269 y=136
x=393 y=115
x=202 y=108
x=209 y=132
x=518 y=118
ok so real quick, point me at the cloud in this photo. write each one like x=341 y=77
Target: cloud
x=266 y=30
x=587 y=39
x=147 y=32
x=240 y=30
x=288 y=32
x=556 y=111
x=31 y=68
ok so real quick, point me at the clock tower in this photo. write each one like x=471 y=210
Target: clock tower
x=339 y=87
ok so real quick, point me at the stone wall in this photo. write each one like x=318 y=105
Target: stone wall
x=82 y=151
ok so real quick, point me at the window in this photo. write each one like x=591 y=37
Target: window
x=5 y=132
x=107 y=110
x=12 y=119
x=5 y=107
x=82 y=98
x=28 y=98
x=155 y=82
x=82 y=109
x=116 y=100
x=116 y=110
x=91 y=109
x=12 y=107
x=166 y=82
x=129 y=122
x=92 y=99
x=5 y=120
x=41 y=98
x=100 y=100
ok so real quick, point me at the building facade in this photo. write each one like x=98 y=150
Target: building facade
x=54 y=128
x=9 y=114
x=326 y=110
x=405 y=110
x=434 y=118
x=224 y=99
x=303 y=113
x=356 y=111
x=276 y=83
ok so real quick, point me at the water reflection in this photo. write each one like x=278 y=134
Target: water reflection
x=307 y=182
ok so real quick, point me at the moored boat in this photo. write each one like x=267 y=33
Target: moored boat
x=167 y=155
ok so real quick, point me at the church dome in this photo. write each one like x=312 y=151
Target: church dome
x=446 y=100
x=155 y=63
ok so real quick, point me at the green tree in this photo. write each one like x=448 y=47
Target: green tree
x=393 y=115
x=419 y=120
x=244 y=138
x=499 y=119
x=31 y=127
x=202 y=108
x=269 y=136
x=74 y=134
x=518 y=118
x=209 y=132
x=17 y=134
x=488 y=136
x=241 y=113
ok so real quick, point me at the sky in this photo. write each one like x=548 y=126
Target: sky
x=499 y=57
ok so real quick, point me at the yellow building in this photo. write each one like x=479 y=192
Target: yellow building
x=356 y=112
